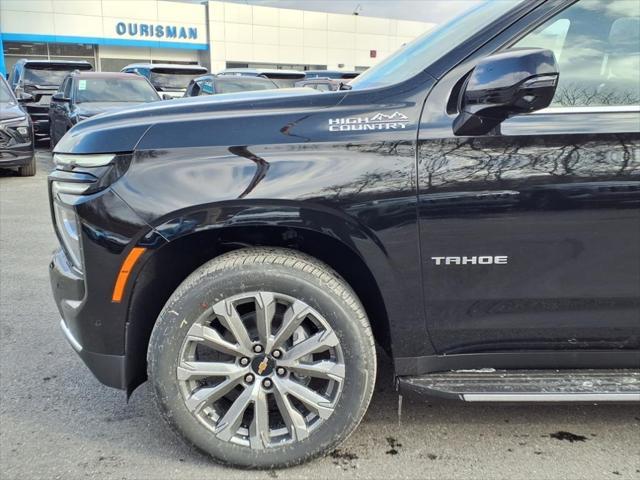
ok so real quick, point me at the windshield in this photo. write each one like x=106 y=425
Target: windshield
x=5 y=93
x=172 y=80
x=47 y=74
x=286 y=82
x=417 y=55
x=228 y=85
x=114 y=90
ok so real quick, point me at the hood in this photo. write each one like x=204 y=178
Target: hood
x=89 y=109
x=11 y=111
x=122 y=131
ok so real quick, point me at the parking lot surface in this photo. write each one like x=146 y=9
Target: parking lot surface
x=58 y=422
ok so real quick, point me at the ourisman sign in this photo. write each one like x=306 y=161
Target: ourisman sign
x=156 y=31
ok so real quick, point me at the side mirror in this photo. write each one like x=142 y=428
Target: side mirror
x=59 y=97
x=506 y=84
x=166 y=96
x=25 y=97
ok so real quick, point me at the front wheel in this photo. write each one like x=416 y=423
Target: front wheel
x=263 y=358
x=28 y=170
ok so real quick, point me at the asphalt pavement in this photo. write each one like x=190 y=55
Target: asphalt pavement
x=58 y=422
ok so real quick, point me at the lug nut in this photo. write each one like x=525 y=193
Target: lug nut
x=248 y=378
x=266 y=383
x=258 y=348
x=244 y=361
x=276 y=354
x=281 y=371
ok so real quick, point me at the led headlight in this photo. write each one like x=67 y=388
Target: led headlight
x=67 y=160
x=24 y=131
x=68 y=227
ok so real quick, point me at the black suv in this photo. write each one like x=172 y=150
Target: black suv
x=471 y=205
x=34 y=83
x=16 y=134
x=85 y=94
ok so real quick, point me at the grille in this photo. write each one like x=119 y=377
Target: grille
x=5 y=139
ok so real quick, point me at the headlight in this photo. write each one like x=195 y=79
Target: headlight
x=67 y=224
x=24 y=131
x=66 y=160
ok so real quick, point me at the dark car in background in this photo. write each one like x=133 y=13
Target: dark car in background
x=169 y=79
x=333 y=74
x=16 y=134
x=85 y=94
x=35 y=81
x=213 y=85
x=321 y=84
x=284 y=78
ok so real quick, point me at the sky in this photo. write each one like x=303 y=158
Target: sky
x=435 y=11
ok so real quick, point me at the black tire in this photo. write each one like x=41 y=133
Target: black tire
x=29 y=170
x=288 y=273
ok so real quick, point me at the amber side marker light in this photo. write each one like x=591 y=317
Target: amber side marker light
x=125 y=270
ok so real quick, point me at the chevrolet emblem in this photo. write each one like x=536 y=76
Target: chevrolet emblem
x=262 y=366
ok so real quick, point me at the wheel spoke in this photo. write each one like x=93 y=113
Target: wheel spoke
x=205 y=395
x=259 y=428
x=265 y=310
x=322 y=369
x=293 y=317
x=316 y=343
x=313 y=400
x=228 y=425
x=213 y=339
x=228 y=316
x=292 y=417
x=189 y=370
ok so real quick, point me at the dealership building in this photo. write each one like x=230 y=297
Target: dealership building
x=113 y=33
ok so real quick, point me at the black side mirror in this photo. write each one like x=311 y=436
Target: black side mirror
x=505 y=84
x=59 y=97
x=24 y=97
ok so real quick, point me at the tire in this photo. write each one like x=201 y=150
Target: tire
x=28 y=170
x=289 y=286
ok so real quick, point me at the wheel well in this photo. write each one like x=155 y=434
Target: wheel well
x=172 y=263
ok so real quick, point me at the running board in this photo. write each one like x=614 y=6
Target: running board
x=489 y=385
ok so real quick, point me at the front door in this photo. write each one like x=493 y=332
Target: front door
x=531 y=236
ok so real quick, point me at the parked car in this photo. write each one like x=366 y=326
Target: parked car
x=16 y=134
x=283 y=78
x=334 y=74
x=35 y=81
x=169 y=79
x=213 y=85
x=471 y=205
x=85 y=94
x=321 y=84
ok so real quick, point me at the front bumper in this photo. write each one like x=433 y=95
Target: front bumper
x=69 y=292
x=16 y=155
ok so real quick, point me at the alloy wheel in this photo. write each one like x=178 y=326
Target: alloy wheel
x=261 y=369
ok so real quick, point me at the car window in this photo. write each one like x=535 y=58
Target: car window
x=67 y=87
x=597 y=46
x=243 y=84
x=5 y=93
x=114 y=90
x=206 y=87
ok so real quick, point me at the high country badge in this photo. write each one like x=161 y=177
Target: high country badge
x=378 y=121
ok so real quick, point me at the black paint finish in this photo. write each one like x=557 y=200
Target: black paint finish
x=558 y=193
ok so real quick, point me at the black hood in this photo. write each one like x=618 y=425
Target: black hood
x=170 y=123
x=11 y=111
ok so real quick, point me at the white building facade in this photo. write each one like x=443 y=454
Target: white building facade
x=113 y=33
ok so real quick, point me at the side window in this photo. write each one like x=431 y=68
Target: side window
x=67 y=87
x=597 y=45
x=206 y=88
